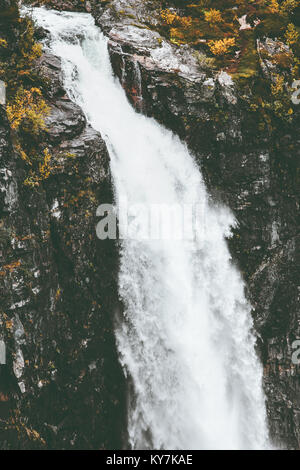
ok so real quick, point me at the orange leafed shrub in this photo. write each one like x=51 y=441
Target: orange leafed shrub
x=289 y=5
x=176 y=36
x=222 y=46
x=274 y=6
x=168 y=16
x=13 y=266
x=43 y=173
x=186 y=21
x=28 y=108
x=291 y=35
x=213 y=16
x=34 y=53
x=278 y=87
x=171 y=18
x=45 y=168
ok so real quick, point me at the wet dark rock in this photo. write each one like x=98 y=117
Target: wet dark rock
x=49 y=68
x=63 y=386
x=66 y=5
x=139 y=13
x=65 y=121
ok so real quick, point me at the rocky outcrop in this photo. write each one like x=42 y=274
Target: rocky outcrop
x=66 y=5
x=62 y=386
x=248 y=163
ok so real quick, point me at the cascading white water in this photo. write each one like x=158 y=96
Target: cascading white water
x=185 y=341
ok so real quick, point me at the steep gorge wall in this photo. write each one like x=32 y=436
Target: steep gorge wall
x=253 y=170
x=250 y=166
x=62 y=386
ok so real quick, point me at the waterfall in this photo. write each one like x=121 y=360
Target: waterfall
x=185 y=338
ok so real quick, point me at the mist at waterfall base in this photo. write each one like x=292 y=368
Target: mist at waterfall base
x=185 y=338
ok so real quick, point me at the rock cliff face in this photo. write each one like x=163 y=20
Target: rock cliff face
x=247 y=165
x=62 y=386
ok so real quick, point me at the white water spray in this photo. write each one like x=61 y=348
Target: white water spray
x=185 y=341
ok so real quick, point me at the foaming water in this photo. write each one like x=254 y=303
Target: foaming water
x=185 y=338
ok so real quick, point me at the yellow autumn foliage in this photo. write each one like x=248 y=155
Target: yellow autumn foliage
x=221 y=46
x=43 y=173
x=172 y=19
x=213 y=16
x=29 y=110
x=44 y=167
x=3 y=43
x=289 y=5
x=168 y=16
x=17 y=67
x=34 y=53
x=274 y=6
x=277 y=88
x=291 y=35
